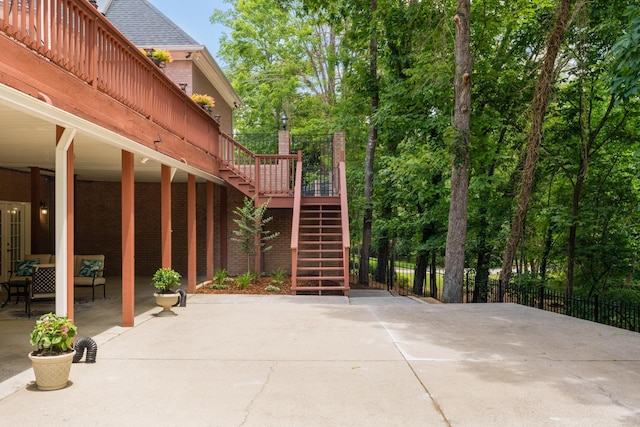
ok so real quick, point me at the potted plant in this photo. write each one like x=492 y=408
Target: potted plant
x=53 y=335
x=205 y=101
x=164 y=280
x=159 y=57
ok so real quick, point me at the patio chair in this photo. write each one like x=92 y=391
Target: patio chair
x=43 y=285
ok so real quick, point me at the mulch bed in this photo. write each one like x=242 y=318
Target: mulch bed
x=259 y=288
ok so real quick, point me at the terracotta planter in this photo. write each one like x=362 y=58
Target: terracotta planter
x=166 y=301
x=52 y=372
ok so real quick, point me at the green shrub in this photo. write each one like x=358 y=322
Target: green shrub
x=245 y=280
x=221 y=276
x=278 y=276
x=272 y=288
x=219 y=286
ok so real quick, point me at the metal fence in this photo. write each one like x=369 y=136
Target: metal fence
x=400 y=279
x=620 y=314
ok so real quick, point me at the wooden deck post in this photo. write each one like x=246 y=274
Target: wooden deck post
x=165 y=214
x=191 y=232
x=210 y=224
x=128 y=240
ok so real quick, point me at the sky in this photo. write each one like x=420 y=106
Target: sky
x=193 y=17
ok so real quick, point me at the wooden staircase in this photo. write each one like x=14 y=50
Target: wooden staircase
x=320 y=263
x=320 y=241
x=320 y=225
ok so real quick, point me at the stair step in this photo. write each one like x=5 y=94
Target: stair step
x=318 y=242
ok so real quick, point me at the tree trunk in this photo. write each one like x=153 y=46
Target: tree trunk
x=539 y=109
x=369 y=157
x=433 y=276
x=420 y=275
x=457 y=228
x=587 y=140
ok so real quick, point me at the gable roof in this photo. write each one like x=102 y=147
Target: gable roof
x=143 y=24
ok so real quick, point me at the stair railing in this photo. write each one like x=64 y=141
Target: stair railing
x=271 y=175
x=295 y=226
x=344 y=217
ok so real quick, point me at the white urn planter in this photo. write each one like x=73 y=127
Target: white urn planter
x=166 y=301
x=52 y=372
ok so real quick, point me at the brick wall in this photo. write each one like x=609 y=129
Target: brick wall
x=98 y=225
x=278 y=257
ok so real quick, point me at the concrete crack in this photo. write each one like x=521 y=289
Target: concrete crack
x=247 y=410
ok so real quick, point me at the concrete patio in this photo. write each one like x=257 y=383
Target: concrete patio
x=371 y=359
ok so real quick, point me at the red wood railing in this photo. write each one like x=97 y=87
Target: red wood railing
x=270 y=175
x=75 y=36
x=344 y=219
x=295 y=227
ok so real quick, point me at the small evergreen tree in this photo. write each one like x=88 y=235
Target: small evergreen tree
x=251 y=233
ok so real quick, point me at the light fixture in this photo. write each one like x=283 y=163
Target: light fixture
x=284 y=120
x=188 y=55
x=183 y=86
x=217 y=117
x=43 y=208
x=144 y=160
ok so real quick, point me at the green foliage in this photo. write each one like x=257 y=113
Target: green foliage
x=625 y=80
x=272 y=288
x=244 y=280
x=270 y=53
x=281 y=58
x=164 y=279
x=220 y=276
x=251 y=233
x=278 y=276
x=53 y=335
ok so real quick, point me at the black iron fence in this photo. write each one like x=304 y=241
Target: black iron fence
x=319 y=176
x=620 y=314
x=400 y=277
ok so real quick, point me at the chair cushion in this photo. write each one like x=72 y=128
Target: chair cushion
x=89 y=267
x=24 y=267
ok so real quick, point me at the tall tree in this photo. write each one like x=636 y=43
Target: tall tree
x=456 y=234
x=372 y=140
x=539 y=109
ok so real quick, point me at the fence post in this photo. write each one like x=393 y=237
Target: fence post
x=500 y=297
x=596 y=308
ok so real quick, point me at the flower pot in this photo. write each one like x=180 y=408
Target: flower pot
x=52 y=372
x=166 y=301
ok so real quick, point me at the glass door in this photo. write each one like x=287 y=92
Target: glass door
x=12 y=236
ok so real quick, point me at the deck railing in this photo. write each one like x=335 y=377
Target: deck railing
x=75 y=36
x=271 y=175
